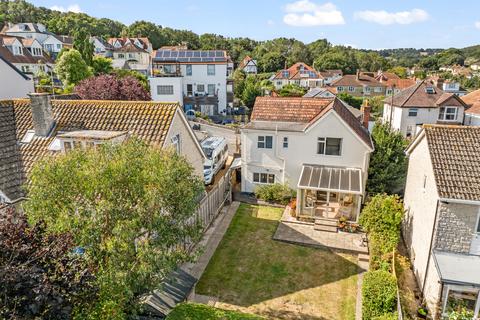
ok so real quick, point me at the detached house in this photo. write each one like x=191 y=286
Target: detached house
x=316 y=146
x=472 y=114
x=14 y=83
x=359 y=85
x=300 y=74
x=422 y=103
x=248 y=65
x=442 y=219
x=394 y=84
x=38 y=127
x=132 y=53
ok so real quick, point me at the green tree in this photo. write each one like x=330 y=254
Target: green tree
x=122 y=73
x=130 y=206
x=292 y=90
x=71 y=68
x=355 y=102
x=337 y=58
x=147 y=29
x=251 y=92
x=101 y=65
x=239 y=77
x=271 y=62
x=399 y=71
x=82 y=43
x=388 y=165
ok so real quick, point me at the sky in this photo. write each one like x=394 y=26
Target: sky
x=364 y=24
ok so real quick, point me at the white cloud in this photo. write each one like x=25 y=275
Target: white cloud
x=304 y=13
x=270 y=22
x=477 y=24
x=385 y=18
x=71 y=8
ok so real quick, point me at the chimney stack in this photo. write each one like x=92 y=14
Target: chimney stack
x=42 y=114
x=365 y=113
x=358 y=74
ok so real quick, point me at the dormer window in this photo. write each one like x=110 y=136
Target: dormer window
x=430 y=90
x=17 y=50
x=36 y=51
x=285 y=74
x=448 y=114
x=86 y=139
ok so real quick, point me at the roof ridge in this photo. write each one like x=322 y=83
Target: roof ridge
x=411 y=94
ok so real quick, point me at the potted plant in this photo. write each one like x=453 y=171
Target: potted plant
x=422 y=313
x=342 y=222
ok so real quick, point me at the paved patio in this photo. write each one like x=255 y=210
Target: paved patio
x=302 y=233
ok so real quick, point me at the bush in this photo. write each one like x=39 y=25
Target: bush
x=379 y=294
x=388 y=316
x=194 y=311
x=279 y=193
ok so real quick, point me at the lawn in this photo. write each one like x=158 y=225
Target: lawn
x=252 y=273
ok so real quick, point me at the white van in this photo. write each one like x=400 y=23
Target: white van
x=216 y=151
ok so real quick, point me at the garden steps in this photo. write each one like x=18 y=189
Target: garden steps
x=327 y=225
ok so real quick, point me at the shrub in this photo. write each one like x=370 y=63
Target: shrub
x=192 y=311
x=112 y=87
x=280 y=193
x=379 y=294
x=387 y=316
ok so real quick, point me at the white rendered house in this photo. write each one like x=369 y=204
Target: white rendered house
x=316 y=146
x=15 y=84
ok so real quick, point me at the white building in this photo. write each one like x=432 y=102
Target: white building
x=316 y=146
x=15 y=84
x=442 y=218
x=248 y=65
x=196 y=79
x=299 y=74
x=132 y=53
x=422 y=103
x=472 y=114
x=101 y=47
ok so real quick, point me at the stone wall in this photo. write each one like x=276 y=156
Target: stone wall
x=455 y=228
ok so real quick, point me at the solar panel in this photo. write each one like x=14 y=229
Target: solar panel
x=174 y=54
x=211 y=54
x=204 y=54
x=196 y=54
x=195 y=59
x=189 y=53
x=181 y=54
x=219 y=53
x=190 y=56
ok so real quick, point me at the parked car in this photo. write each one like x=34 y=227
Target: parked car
x=216 y=119
x=228 y=121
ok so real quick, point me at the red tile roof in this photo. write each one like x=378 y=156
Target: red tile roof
x=352 y=80
x=294 y=72
x=473 y=101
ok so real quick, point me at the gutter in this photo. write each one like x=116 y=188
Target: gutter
x=460 y=201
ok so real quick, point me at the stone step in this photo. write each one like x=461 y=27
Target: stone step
x=321 y=227
x=363 y=257
x=325 y=222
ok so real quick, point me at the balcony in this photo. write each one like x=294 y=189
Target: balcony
x=166 y=70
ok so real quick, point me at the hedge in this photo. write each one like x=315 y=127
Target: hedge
x=379 y=294
x=194 y=311
x=279 y=193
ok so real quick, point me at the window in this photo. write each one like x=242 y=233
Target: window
x=424 y=182
x=189 y=89
x=412 y=112
x=26 y=69
x=211 y=89
x=67 y=146
x=121 y=56
x=329 y=146
x=265 y=142
x=378 y=89
x=478 y=224
x=200 y=88
x=264 y=178
x=59 y=46
x=448 y=113
x=17 y=50
x=367 y=89
x=339 y=89
x=131 y=55
x=176 y=143
x=189 y=69
x=210 y=70
x=285 y=142
x=462 y=299
x=279 y=83
x=389 y=91
x=410 y=130
x=165 y=90
x=351 y=89
x=285 y=74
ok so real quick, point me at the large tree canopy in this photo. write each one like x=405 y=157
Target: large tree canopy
x=71 y=68
x=112 y=87
x=129 y=206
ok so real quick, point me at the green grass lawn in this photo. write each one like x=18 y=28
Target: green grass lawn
x=194 y=311
x=253 y=273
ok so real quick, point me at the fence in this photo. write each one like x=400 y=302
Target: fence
x=399 y=302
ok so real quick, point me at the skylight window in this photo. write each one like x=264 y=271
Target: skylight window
x=28 y=137
x=430 y=90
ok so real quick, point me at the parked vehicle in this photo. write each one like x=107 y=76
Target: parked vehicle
x=228 y=121
x=216 y=151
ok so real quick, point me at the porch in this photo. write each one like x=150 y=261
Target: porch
x=329 y=193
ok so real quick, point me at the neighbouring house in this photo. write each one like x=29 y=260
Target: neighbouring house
x=475 y=66
x=422 y=103
x=197 y=79
x=448 y=85
x=40 y=126
x=325 y=92
x=472 y=114
x=248 y=65
x=314 y=145
x=361 y=84
x=330 y=75
x=300 y=74
x=132 y=54
x=442 y=218
x=14 y=83
x=394 y=84
x=457 y=70
x=25 y=54
x=101 y=47
x=53 y=44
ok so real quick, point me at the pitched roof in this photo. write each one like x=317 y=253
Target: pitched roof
x=455 y=156
x=26 y=57
x=65 y=39
x=330 y=73
x=24 y=76
x=145 y=43
x=25 y=27
x=418 y=97
x=295 y=72
x=148 y=120
x=473 y=101
x=352 y=80
x=245 y=61
x=301 y=113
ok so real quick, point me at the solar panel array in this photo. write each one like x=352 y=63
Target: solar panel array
x=190 y=56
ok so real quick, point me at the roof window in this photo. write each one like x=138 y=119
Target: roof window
x=430 y=90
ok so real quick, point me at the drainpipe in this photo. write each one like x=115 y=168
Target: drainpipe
x=277 y=155
x=429 y=252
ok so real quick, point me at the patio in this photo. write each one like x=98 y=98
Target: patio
x=292 y=231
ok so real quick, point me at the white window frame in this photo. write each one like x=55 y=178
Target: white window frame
x=413 y=110
x=176 y=142
x=200 y=88
x=262 y=142
x=351 y=89
x=368 y=89
x=378 y=89
x=210 y=69
x=443 y=117
x=340 y=89
x=323 y=141
x=209 y=87
x=267 y=176
x=165 y=90
x=188 y=69
x=477 y=226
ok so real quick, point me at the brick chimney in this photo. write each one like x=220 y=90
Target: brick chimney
x=42 y=114
x=365 y=109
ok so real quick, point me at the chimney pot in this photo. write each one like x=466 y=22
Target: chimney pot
x=42 y=114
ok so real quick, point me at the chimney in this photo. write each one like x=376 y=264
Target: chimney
x=365 y=113
x=42 y=114
x=358 y=74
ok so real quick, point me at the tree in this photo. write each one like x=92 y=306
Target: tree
x=399 y=71
x=355 y=102
x=337 y=58
x=71 y=68
x=292 y=90
x=147 y=29
x=129 y=206
x=271 y=62
x=82 y=43
x=388 y=165
x=40 y=276
x=101 y=65
x=239 y=77
x=122 y=73
x=112 y=87
x=250 y=92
